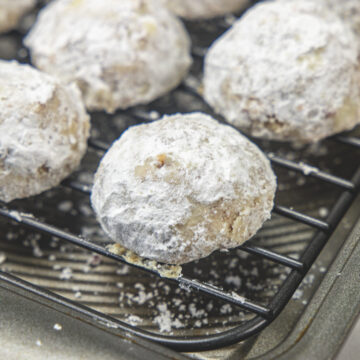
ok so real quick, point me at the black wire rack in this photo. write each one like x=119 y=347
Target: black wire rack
x=263 y=314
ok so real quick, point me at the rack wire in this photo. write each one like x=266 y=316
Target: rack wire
x=263 y=314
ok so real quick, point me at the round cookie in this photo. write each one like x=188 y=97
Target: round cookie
x=120 y=53
x=204 y=9
x=288 y=71
x=11 y=12
x=177 y=189
x=43 y=131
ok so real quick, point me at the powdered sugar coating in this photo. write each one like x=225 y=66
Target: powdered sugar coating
x=204 y=9
x=292 y=75
x=11 y=11
x=347 y=10
x=179 y=188
x=43 y=131
x=120 y=53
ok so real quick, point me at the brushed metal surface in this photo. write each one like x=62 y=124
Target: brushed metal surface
x=31 y=330
x=148 y=301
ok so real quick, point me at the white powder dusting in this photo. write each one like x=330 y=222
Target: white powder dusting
x=57 y=327
x=11 y=236
x=196 y=313
x=165 y=319
x=300 y=181
x=348 y=10
x=54 y=242
x=309 y=279
x=154 y=115
x=85 y=210
x=198 y=324
x=209 y=306
x=66 y=274
x=134 y=320
x=37 y=252
x=323 y=212
x=233 y=263
x=43 y=131
x=233 y=280
x=286 y=70
x=142 y=297
x=177 y=302
x=226 y=309
x=172 y=178
x=123 y=270
x=112 y=49
x=16 y=215
x=308 y=169
x=298 y=294
x=213 y=273
x=65 y=206
x=238 y=297
x=78 y=295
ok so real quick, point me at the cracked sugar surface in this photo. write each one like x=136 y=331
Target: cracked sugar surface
x=113 y=50
x=43 y=131
x=292 y=76
x=182 y=187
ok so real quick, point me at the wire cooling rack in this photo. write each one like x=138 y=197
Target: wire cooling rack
x=263 y=314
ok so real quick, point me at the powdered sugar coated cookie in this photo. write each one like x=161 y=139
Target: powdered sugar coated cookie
x=120 y=53
x=287 y=70
x=43 y=131
x=177 y=189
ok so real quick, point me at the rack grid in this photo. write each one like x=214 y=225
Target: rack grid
x=263 y=314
